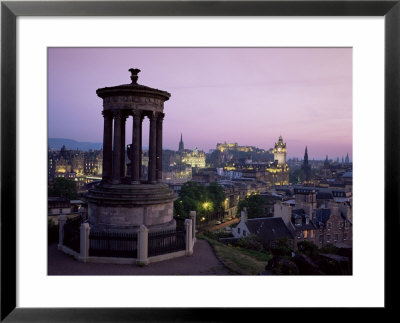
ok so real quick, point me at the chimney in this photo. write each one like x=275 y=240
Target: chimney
x=243 y=215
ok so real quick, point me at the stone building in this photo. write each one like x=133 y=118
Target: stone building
x=279 y=152
x=231 y=198
x=330 y=222
x=269 y=230
x=195 y=158
x=334 y=225
x=276 y=173
x=233 y=146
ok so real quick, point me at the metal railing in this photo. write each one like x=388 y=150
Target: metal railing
x=163 y=242
x=113 y=244
x=72 y=233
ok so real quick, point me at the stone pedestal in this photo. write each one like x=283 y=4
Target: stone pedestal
x=127 y=207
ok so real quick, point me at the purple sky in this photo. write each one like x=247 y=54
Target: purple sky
x=244 y=95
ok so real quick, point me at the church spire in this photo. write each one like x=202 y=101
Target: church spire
x=181 y=146
x=306 y=168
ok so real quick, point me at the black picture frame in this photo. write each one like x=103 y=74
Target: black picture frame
x=10 y=10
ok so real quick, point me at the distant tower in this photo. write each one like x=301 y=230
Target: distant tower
x=280 y=152
x=347 y=159
x=326 y=163
x=181 y=146
x=306 y=167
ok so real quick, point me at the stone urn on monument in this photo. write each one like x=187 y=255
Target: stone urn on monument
x=121 y=202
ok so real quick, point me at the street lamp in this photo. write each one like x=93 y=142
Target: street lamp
x=206 y=205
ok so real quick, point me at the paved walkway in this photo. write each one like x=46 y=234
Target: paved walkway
x=202 y=262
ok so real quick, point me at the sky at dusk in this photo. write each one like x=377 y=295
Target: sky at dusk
x=244 y=95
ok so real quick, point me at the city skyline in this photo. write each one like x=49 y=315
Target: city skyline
x=246 y=95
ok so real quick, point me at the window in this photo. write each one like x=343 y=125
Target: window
x=239 y=230
x=328 y=238
x=311 y=233
x=321 y=239
x=329 y=225
x=305 y=233
x=244 y=232
x=344 y=236
x=336 y=237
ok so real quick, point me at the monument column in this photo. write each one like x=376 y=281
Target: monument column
x=136 y=144
x=159 y=147
x=107 y=145
x=140 y=145
x=152 y=148
x=116 y=170
x=123 y=122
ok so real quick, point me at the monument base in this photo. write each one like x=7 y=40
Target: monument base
x=125 y=207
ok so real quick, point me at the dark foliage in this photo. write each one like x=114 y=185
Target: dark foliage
x=255 y=205
x=205 y=200
x=308 y=248
x=251 y=242
x=282 y=266
x=63 y=187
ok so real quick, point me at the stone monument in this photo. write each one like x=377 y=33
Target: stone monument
x=124 y=203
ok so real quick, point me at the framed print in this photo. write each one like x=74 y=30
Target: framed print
x=33 y=33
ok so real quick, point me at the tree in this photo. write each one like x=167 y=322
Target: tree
x=307 y=247
x=255 y=205
x=63 y=187
x=217 y=195
x=205 y=200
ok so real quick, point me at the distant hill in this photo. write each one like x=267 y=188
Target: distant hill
x=57 y=143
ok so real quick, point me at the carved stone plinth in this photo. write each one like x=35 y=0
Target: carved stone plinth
x=126 y=207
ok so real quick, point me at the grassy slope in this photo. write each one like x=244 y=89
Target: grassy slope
x=239 y=260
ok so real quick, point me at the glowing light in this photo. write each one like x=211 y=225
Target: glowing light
x=206 y=205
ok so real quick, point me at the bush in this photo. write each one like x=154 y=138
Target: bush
x=216 y=235
x=282 y=266
x=306 y=265
x=283 y=248
x=329 y=248
x=308 y=248
x=210 y=235
x=281 y=251
x=251 y=242
x=329 y=266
